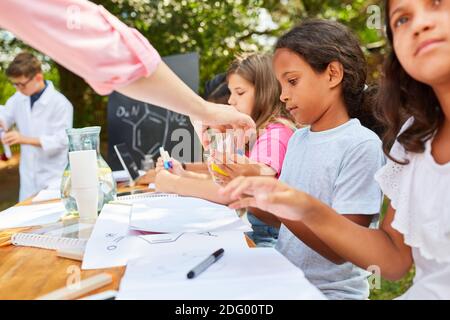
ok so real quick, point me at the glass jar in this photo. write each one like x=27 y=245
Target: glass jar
x=87 y=139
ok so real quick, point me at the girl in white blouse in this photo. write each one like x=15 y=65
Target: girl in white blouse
x=416 y=178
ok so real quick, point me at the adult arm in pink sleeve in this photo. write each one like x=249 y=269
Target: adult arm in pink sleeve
x=84 y=38
x=89 y=41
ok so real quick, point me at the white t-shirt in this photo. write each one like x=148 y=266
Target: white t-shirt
x=337 y=167
x=420 y=194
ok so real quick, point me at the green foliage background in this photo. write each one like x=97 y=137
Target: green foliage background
x=217 y=30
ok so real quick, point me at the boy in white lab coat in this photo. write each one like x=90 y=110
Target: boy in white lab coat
x=41 y=115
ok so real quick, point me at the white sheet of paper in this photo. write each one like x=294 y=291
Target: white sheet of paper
x=123 y=176
x=32 y=215
x=259 y=273
x=47 y=194
x=120 y=176
x=184 y=214
x=109 y=243
x=112 y=244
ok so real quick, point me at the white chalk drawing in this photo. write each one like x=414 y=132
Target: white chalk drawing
x=146 y=124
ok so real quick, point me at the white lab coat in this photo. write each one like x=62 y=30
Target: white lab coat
x=50 y=116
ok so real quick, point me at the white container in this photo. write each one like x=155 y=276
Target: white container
x=87 y=200
x=84 y=169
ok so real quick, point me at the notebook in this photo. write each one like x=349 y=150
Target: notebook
x=69 y=234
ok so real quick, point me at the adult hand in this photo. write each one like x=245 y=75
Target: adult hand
x=227 y=116
x=223 y=118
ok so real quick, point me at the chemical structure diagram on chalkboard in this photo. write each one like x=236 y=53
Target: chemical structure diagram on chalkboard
x=150 y=129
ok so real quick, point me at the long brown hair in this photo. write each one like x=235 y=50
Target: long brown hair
x=401 y=97
x=257 y=69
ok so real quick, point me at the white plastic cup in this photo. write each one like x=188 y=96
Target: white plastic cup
x=87 y=202
x=83 y=167
x=84 y=180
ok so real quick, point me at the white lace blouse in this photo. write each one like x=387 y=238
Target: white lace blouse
x=420 y=194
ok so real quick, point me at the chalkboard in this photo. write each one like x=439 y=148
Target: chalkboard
x=144 y=127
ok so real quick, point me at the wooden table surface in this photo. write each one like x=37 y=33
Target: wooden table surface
x=28 y=273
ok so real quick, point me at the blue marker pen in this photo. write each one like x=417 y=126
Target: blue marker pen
x=168 y=165
x=166 y=159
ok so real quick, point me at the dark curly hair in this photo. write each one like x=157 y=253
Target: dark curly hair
x=401 y=97
x=320 y=42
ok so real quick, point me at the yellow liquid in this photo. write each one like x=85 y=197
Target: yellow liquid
x=215 y=168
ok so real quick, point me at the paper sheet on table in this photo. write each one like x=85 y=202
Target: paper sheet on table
x=120 y=176
x=32 y=215
x=109 y=245
x=259 y=273
x=124 y=176
x=184 y=214
x=47 y=194
x=112 y=244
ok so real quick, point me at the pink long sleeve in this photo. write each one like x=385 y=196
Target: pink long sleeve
x=84 y=38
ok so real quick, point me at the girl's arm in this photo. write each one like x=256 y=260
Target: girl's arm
x=185 y=186
x=196 y=175
x=384 y=247
x=312 y=240
x=198 y=167
x=235 y=165
x=266 y=217
x=177 y=169
x=306 y=235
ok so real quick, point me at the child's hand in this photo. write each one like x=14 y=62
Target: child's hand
x=238 y=165
x=177 y=168
x=220 y=177
x=159 y=165
x=165 y=182
x=267 y=194
x=12 y=137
